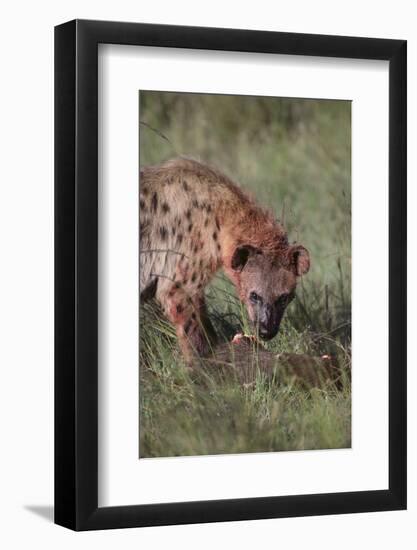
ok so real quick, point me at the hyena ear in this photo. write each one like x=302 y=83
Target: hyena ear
x=241 y=255
x=299 y=259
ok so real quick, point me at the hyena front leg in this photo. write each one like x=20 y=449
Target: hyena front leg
x=198 y=330
x=188 y=314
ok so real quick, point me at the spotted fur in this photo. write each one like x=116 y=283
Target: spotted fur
x=194 y=220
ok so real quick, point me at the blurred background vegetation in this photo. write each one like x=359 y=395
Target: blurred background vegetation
x=294 y=156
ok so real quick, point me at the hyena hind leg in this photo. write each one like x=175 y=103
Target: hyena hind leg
x=149 y=291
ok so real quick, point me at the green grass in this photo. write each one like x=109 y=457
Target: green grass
x=294 y=156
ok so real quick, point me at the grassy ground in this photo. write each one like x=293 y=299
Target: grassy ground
x=294 y=156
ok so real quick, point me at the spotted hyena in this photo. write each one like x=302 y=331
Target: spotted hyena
x=193 y=221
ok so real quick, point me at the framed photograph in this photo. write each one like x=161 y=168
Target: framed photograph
x=230 y=256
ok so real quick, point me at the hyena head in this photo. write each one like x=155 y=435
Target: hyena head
x=266 y=283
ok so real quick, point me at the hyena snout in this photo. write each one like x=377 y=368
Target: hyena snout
x=268 y=321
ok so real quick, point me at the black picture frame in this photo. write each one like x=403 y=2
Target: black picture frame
x=76 y=271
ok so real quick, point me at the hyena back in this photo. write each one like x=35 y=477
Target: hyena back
x=193 y=221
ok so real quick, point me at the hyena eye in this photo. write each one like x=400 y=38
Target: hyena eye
x=255 y=298
x=285 y=299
